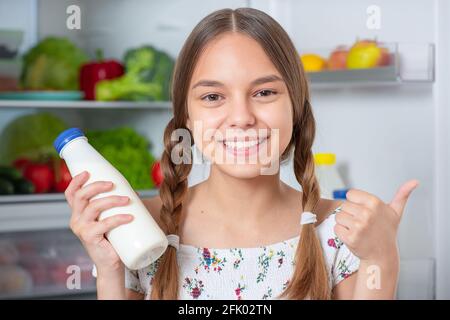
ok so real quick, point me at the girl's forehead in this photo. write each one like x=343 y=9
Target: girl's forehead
x=231 y=58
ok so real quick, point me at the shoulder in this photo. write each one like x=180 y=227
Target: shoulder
x=324 y=209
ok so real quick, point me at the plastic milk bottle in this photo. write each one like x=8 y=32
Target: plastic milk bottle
x=138 y=243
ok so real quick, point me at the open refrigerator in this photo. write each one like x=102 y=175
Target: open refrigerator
x=38 y=252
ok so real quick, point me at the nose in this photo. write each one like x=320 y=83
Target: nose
x=240 y=115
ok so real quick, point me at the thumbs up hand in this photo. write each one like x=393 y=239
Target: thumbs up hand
x=368 y=226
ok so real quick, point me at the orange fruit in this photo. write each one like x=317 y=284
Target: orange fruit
x=313 y=62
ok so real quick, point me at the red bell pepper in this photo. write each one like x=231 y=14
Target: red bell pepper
x=157 y=175
x=93 y=72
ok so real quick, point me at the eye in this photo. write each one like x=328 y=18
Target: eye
x=211 y=97
x=266 y=93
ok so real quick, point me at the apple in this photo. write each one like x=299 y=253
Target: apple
x=338 y=58
x=385 y=59
x=367 y=54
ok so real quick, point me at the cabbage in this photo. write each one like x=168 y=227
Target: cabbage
x=30 y=136
x=53 y=64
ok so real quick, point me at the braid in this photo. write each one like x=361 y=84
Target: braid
x=310 y=278
x=172 y=192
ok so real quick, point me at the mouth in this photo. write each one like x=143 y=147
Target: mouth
x=243 y=146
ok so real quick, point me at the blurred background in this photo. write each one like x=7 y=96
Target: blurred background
x=378 y=73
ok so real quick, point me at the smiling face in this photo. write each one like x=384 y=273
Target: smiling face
x=239 y=109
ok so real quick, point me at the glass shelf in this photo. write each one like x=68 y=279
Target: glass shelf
x=82 y=104
x=40 y=211
x=56 y=197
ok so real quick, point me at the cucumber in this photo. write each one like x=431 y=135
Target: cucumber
x=10 y=173
x=6 y=186
x=23 y=186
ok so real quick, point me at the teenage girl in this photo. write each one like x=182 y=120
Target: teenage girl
x=242 y=234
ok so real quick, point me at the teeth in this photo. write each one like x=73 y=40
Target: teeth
x=242 y=144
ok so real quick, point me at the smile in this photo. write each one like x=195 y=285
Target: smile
x=243 y=147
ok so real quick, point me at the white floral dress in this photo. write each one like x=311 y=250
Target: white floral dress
x=246 y=273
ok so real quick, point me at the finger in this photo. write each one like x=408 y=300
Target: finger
x=342 y=233
x=363 y=198
x=110 y=223
x=95 y=207
x=76 y=183
x=352 y=208
x=345 y=219
x=401 y=197
x=83 y=195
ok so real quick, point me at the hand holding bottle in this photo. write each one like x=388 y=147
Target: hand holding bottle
x=84 y=219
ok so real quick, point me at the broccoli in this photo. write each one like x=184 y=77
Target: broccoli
x=148 y=73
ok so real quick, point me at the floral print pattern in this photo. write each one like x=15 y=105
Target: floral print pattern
x=335 y=242
x=239 y=257
x=238 y=291
x=194 y=287
x=246 y=273
x=211 y=261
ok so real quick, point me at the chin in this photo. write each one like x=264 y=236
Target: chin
x=243 y=171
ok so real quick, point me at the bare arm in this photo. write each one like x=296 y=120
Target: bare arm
x=111 y=284
x=377 y=280
x=373 y=280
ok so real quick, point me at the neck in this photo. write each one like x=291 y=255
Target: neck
x=245 y=200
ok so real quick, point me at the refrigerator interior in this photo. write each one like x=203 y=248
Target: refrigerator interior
x=382 y=135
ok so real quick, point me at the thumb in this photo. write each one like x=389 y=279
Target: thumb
x=399 y=201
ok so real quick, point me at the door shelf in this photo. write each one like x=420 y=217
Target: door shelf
x=410 y=63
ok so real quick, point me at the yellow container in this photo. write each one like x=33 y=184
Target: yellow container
x=324 y=158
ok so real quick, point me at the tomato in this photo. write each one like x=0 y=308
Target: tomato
x=41 y=175
x=62 y=177
x=21 y=163
x=157 y=175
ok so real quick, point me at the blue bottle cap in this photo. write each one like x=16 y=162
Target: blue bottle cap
x=65 y=137
x=340 y=194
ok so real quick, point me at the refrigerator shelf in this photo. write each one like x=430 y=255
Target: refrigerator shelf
x=81 y=104
x=51 y=197
x=40 y=211
x=410 y=63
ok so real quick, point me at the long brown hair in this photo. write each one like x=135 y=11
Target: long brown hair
x=310 y=279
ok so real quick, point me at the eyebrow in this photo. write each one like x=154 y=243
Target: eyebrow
x=214 y=83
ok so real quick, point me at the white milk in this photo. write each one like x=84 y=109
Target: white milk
x=138 y=243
